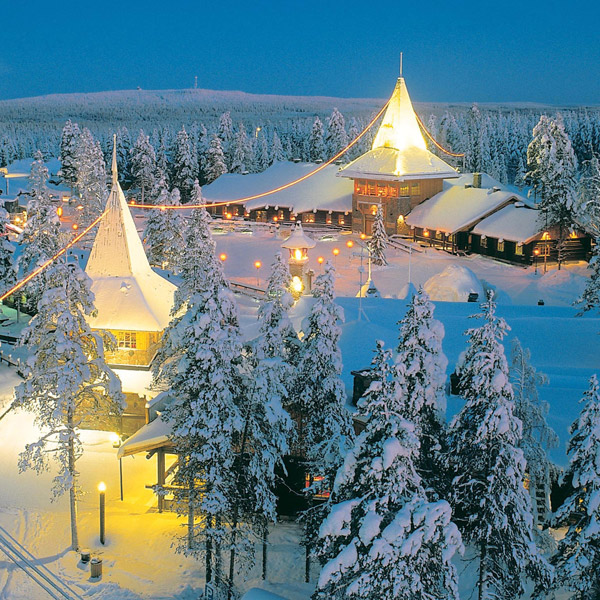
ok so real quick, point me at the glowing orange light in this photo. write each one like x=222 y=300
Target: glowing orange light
x=258 y=264
x=59 y=211
x=75 y=227
x=80 y=207
x=363 y=236
x=536 y=251
x=163 y=208
x=132 y=203
x=275 y=219
x=349 y=243
x=320 y=260
x=228 y=215
x=426 y=233
x=223 y=257
x=298 y=254
x=336 y=251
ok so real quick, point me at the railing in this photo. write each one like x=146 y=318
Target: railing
x=247 y=289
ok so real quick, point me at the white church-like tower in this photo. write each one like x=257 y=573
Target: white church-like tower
x=398 y=172
x=132 y=301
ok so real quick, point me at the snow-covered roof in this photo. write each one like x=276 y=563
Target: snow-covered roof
x=322 y=191
x=513 y=223
x=153 y=435
x=129 y=295
x=458 y=207
x=298 y=239
x=399 y=151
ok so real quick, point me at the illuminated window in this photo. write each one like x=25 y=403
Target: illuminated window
x=328 y=219
x=280 y=215
x=341 y=220
x=322 y=494
x=500 y=245
x=404 y=189
x=360 y=186
x=483 y=241
x=234 y=211
x=415 y=188
x=393 y=190
x=371 y=189
x=381 y=190
x=308 y=217
x=126 y=339
x=439 y=235
x=519 y=249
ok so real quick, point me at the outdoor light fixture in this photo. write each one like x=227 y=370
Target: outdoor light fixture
x=223 y=257
x=349 y=243
x=102 y=490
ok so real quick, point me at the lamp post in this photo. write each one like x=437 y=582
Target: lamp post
x=258 y=265
x=102 y=490
x=536 y=253
x=336 y=251
x=115 y=438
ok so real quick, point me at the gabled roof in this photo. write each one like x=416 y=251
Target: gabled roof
x=514 y=223
x=399 y=151
x=457 y=207
x=322 y=191
x=129 y=295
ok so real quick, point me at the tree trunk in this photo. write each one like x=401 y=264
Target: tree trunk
x=482 y=571
x=73 y=488
x=209 y=549
x=264 y=552
x=190 y=536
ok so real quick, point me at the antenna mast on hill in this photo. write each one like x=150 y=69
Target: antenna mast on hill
x=196 y=82
x=401 y=53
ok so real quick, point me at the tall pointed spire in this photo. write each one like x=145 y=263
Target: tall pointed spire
x=115 y=173
x=399 y=128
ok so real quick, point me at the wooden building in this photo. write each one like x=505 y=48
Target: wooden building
x=132 y=301
x=398 y=172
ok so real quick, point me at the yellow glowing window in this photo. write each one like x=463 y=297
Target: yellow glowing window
x=126 y=339
x=500 y=245
x=372 y=189
x=341 y=220
x=404 y=190
x=415 y=188
x=308 y=217
x=519 y=249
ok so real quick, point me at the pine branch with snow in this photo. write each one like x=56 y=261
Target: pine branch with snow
x=143 y=166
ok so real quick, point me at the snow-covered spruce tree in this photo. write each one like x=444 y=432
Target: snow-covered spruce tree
x=588 y=209
x=277 y=153
x=491 y=505
x=353 y=133
x=316 y=144
x=199 y=369
x=420 y=372
x=143 y=166
x=325 y=424
x=337 y=138
x=68 y=150
x=162 y=163
x=277 y=336
x=215 y=160
x=578 y=558
x=90 y=181
x=185 y=166
x=263 y=157
x=379 y=240
x=382 y=538
x=318 y=398
x=531 y=410
x=164 y=232
x=552 y=173
x=69 y=385
x=239 y=156
x=225 y=134
x=40 y=237
x=7 y=262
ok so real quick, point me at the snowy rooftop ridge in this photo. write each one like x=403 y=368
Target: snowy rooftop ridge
x=399 y=151
x=129 y=295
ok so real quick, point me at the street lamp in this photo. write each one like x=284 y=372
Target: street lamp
x=336 y=251
x=102 y=490
x=116 y=441
x=223 y=257
x=536 y=253
x=258 y=265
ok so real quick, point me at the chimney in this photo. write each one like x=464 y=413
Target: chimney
x=476 y=180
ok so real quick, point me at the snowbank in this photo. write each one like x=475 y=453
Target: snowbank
x=454 y=284
x=258 y=594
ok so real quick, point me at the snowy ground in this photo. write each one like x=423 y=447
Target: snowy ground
x=138 y=559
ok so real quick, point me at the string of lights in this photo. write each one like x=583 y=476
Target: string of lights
x=277 y=189
x=47 y=263
x=435 y=142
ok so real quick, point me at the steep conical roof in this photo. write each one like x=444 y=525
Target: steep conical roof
x=129 y=295
x=399 y=151
x=298 y=239
x=399 y=128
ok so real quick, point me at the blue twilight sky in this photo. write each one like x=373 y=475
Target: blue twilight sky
x=464 y=51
